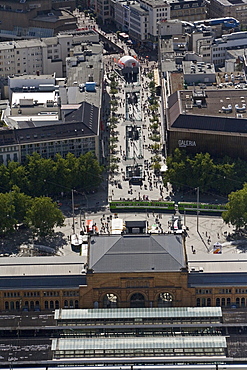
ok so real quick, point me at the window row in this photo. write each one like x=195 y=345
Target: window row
x=222 y=291
x=140 y=352
x=37 y=306
x=222 y=302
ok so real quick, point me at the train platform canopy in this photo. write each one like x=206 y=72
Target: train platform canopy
x=128 y=61
x=141 y=342
x=141 y=313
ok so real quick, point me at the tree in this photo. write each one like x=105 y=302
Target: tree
x=38 y=170
x=17 y=176
x=236 y=212
x=7 y=220
x=4 y=178
x=21 y=203
x=44 y=215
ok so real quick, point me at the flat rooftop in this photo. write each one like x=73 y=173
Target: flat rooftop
x=41 y=97
x=232 y=2
x=198 y=68
x=217 y=110
x=34 y=266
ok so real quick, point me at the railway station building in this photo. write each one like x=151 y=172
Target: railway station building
x=124 y=271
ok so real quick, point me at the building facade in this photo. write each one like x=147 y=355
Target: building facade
x=44 y=56
x=28 y=19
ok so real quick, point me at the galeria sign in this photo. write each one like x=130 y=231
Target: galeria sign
x=185 y=143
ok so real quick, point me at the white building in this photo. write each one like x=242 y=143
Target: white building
x=141 y=19
x=138 y=25
x=42 y=56
x=158 y=10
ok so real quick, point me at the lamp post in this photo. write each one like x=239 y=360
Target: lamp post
x=197 y=209
x=73 y=209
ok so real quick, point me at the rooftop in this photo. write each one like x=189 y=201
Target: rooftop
x=136 y=253
x=227 y=107
x=190 y=67
x=129 y=313
x=232 y=2
x=38 y=266
x=63 y=344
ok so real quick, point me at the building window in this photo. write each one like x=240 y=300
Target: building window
x=165 y=300
x=110 y=300
x=237 y=302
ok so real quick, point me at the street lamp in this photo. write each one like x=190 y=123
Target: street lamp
x=197 y=209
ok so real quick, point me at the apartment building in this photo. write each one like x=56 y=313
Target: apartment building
x=214 y=50
x=141 y=19
x=49 y=115
x=229 y=8
x=43 y=56
x=121 y=11
x=188 y=10
x=28 y=19
x=138 y=24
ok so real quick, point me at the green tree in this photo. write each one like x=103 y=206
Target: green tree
x=40 y=174
x=236 y=212
x=4 y=178
x=90 y=175
x=17 y=176
x=7 y=220
x=203 y=171
x=44 y=215
x=21 y=203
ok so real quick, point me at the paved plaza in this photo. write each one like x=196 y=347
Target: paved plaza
x=199 y=244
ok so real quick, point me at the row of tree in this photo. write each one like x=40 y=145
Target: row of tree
x=220 y=177
x=236 y=213
x=41 y=214
x=40 y=176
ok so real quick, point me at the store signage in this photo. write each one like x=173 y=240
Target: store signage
x=185 y=143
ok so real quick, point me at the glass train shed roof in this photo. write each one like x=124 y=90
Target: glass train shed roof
x=69 y=344
x=137 y=313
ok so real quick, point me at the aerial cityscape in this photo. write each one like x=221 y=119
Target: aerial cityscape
x=123 y=184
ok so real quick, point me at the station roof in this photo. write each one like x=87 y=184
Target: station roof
x=132 y=313
x=136 y=253
x=64 y=344
x=230 y=279
x=38 y=266
x=42 y=282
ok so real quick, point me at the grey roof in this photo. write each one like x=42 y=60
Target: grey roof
x=136 y=223
x=136 y=253
x=79 y=123
x=200 y=279
x=42 y=282
x=184 y=114
x=88 y=114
